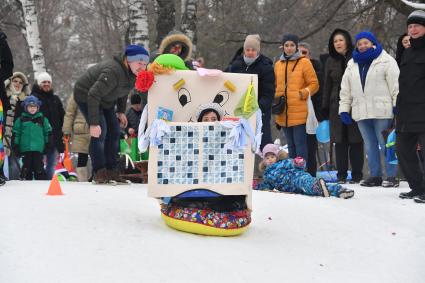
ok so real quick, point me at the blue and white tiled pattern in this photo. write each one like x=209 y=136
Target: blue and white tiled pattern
x=179 y=157
x=218 y=164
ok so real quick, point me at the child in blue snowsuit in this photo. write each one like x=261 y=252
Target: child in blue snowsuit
x=288 y=175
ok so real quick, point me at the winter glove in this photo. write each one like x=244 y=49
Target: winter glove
x=395 y=110
x=299 y=162
x=346 y=118
x=49 y=145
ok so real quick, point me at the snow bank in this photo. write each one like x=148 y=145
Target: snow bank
x=115 y=234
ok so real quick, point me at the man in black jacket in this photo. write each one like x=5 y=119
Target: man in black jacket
x=252 y=62
x=6 y=71
x=52 y=109
x=410 y=107
x=97 y=92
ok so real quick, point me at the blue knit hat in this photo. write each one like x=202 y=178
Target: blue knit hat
x=31 y=100
x=136 y=53
x=368 y=35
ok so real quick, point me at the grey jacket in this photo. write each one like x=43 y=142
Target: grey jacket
x=104 y=85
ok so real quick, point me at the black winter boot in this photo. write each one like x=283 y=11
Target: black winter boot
x=420 y=199
x=372 y=182
x=409 y=195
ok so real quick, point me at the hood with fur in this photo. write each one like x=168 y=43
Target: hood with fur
x=177 y=37
x=347 y=36
x=8 y=83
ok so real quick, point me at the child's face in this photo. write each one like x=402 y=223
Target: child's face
x=136 y=107
x=210 y=117
x=32 y=109
x=270 y=159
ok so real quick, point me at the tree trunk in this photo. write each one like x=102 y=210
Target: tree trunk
x=33 y=37
x=378 y=21
x=188 y=25
x=166 y=19
x=138 y=27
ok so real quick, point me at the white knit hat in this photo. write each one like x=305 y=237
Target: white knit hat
x=210 y=106
x=42 y=77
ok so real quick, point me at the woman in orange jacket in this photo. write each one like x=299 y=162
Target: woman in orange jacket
x=296 y=80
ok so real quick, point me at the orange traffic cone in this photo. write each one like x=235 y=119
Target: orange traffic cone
x=55 y=187
x=67 y=163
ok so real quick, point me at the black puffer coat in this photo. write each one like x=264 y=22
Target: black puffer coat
x=6 y=66
x=334 y=70
x=411 y=98
x=52 y=109
x=263 y=67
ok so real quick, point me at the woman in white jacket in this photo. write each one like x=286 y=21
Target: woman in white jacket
x=369 y=91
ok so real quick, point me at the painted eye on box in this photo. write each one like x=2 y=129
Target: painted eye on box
x=184 y=96
x=221 y=98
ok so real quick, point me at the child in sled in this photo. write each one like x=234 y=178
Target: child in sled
x=288 y=175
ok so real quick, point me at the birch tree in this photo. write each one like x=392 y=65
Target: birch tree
x=188 y=24
x=33 y=36
x=138 y=23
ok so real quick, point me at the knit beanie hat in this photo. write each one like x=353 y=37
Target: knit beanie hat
x=252 y=41
x=44 y=77
x=31 y=100
x=271 y=148
x=368 y=35
x=208 y=107
x=416 y=17
x=290 y=37
x=135 y=99
x=136 y=53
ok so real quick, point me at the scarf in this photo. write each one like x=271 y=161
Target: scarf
x=248 y=61
x=417 y=43
x=294 y=56
x=368 y=56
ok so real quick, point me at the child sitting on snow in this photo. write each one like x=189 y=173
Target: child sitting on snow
x=288 y=175
x=31 y=132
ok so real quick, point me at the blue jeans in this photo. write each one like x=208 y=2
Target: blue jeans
x=296 y=137
x=104 y=149
x=371 y=130
x=51 y=161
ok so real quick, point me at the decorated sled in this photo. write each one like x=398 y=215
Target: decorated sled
x=202 y=172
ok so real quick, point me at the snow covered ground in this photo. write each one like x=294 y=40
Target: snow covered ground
x=115 y=234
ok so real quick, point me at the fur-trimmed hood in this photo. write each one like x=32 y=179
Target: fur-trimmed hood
x=25 y=89
x=177 y=37
x=332 y=51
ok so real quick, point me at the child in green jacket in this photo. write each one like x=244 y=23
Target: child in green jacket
x=31 y=132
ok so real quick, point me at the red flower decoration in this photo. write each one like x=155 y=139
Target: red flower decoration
x=144 y=81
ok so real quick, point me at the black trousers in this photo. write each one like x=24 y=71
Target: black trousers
x=408 y=160
x=352 y=152
x=312 y=160
x=82 y=159
x=266 y=138
x=33 y=166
